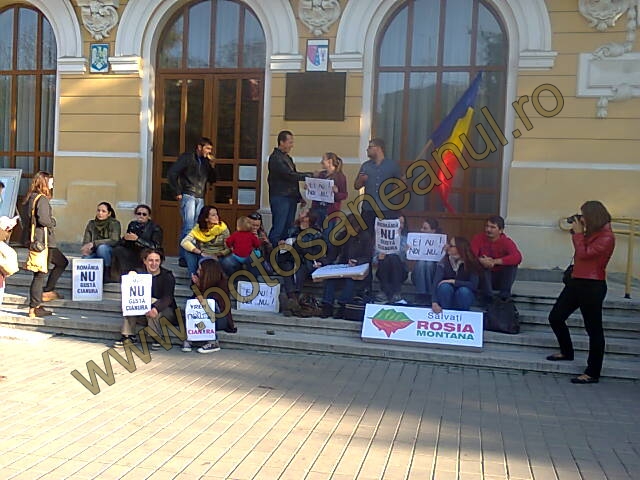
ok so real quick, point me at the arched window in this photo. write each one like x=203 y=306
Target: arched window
x=427 y=54
x=27 y=92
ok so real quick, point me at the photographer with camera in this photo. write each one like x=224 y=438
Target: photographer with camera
x=141 y=233
x=593 y=242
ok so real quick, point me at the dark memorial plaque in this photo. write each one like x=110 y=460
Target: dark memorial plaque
x=315 y=96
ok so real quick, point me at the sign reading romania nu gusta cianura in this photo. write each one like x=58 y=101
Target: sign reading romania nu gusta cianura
x=398 y=324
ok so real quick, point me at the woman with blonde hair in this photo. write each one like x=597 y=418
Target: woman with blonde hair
x=37 y=201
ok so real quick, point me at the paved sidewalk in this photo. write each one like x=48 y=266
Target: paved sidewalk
x=243 y=415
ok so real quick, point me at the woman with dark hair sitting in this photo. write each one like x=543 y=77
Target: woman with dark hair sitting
x=209 y=281
x=163 y=285
x=457 y=277
x=206 y=239
x=100 y=236
x=142 y=233
x=593 y=243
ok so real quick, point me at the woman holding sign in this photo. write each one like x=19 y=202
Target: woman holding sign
x=392 y=267
x=210 y=282
x=457 y=277
x=206 y=239
x=163 y=303
x=424 y=270
x=331 y=170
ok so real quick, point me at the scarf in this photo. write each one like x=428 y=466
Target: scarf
x=103 y=228
x=455 y=263
x=208 y=235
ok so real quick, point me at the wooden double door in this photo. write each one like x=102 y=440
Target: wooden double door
x=225 y=107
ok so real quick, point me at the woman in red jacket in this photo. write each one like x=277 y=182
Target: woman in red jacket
x=593 y=242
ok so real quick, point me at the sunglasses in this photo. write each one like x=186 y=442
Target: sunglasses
x=144 y=214
x=255 y=216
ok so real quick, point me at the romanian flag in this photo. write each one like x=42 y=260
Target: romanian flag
x=455 y=124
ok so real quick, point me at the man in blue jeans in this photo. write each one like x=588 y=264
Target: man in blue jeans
x=284 y=190
x=188 y=177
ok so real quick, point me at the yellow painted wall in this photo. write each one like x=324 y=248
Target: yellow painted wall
x=539 y=196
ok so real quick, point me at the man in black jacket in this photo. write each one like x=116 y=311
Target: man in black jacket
x=284 y=191
x=188 y=178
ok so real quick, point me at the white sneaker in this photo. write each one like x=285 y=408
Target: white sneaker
x=210 y=347
x=186 y=346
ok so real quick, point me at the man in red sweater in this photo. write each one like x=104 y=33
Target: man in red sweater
x=499 y=256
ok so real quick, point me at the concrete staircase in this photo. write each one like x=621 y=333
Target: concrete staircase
x=525 y=351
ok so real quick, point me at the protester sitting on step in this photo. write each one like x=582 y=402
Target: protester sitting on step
x=499 y=257
x=163 y=305
x=355 y=251
x=206 y=239
x=265 y=249
x=424 y=270
x=142 y=233
x=100 y=236
x=593 y=243
x=209 y=281
x=241 y=242
x=392 y=268
x=287 y=262
x=456 y=279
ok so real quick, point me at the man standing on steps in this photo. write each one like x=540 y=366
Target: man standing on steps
x=499 y=256
x=188 y=177
x=284 y=190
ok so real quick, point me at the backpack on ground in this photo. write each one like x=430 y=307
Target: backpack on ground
x=502 y=316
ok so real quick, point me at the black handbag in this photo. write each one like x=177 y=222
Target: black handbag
x=35 y=245
x=502 y=316
x=566 y=276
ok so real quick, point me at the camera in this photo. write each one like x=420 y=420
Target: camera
x=574 y=218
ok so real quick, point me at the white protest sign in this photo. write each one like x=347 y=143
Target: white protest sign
x=319 y=189
x=387 y=236
x=86 y=274
x=266 y=300
x=426 y=246
x=199 y=325
x=136 y=294
x=396 y=324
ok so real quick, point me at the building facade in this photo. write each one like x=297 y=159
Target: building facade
x=107 y=93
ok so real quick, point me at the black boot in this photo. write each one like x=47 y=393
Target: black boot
x=107 y=276
x=327 y=310
x=339 y=311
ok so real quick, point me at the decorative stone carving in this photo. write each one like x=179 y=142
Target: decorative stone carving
x=99 y=16
x=319 y=15
x=603 y=13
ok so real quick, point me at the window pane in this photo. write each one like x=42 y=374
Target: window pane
x=6 y=40
x=27 y=31
x=485 y=177
x=426 y=27
x=226 y=118
x=254 y=49
x=223 y=195
x=26 y=164
x=47 y=113
x=249 y=118
x=199 y=27
x=394 y=44
x=5 y=162
x=457 y=32
x=388 y=115
x=422 y=94
x=224 y=172
x=491 y=48
x=247 y=173
x=172 y=115
x=483 y=203
x=46 y=164
x=166 y=193
x=26 y=113
x=195 y=105
x=227 y=32
x=246 y=196
x=49 y=49
x=5 y=109
x=171 y=48
x=454 y=85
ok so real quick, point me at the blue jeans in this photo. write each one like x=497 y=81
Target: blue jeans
x=283 y=213
x=192 y=260
x=232 y=263
x=422 y=276
x=103 y=252
x=190 y=207
x=346 y=292
x=452 y=298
